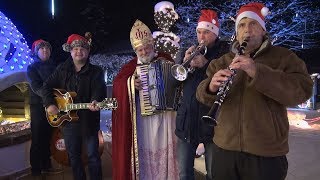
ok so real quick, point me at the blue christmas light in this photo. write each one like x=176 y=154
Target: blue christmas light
x=13 y=47
x=52 y=8
x=293 y=24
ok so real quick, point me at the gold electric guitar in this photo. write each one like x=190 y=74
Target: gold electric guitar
x=68 y=110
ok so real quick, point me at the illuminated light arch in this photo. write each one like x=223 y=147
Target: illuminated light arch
x=14 y=51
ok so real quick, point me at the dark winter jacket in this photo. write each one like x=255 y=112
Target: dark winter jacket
x=37 y=73
x=88 y=83
x=189 y=126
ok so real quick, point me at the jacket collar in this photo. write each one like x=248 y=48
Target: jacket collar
x=265 y=44
x=37 y=59
x=70 y=65
x=213 y=51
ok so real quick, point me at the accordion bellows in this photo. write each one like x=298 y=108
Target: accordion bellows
x=158 y=93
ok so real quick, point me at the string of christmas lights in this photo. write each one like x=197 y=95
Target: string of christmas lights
x=164 y=17
x=293 y=24
x=14 y=51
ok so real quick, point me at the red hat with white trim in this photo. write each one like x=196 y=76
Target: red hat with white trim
x=75 y=40
x=209 y=20
x=254 y=10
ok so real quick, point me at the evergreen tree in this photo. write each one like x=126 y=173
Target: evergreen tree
x=294 y=24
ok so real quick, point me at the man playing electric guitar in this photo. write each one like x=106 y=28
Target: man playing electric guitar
x=87 y=81
x=68 y=109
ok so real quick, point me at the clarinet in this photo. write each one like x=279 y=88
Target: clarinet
x=210 y=118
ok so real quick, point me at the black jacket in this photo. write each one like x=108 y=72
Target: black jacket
x=189 y=126
x=88 y=83
x=37 y=73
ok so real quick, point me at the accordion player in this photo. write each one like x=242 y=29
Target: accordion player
x=157 y=93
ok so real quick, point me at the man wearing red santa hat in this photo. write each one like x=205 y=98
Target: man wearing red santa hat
x=251 y=136
x=142 y=146
x=38 y=72
x=194 y=137
x=76 y=74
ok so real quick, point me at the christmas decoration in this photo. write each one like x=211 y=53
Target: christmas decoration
x=294 y=24
x=164 y=17
x=14 y=51
x=111 y=64
x=52 y=9
x=166 y=42
x=189 y=12
x=7 y=127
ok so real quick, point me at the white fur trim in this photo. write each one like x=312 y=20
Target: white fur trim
x=209 y=26
x=252 y=15
x=161 y=6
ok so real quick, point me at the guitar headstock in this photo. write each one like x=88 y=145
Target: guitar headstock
x=108 y=104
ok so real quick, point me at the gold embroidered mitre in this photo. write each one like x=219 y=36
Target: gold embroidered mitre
x=140 y=35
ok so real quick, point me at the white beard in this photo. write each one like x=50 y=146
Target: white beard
x=146 y=59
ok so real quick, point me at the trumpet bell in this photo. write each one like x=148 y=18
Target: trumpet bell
x=179 y=72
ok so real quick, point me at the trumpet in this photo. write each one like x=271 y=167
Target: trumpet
x=180 y=71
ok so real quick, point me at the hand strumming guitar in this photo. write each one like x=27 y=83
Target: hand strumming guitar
x=52 y=109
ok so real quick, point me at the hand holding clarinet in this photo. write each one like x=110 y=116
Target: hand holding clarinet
x=222 y=80
x=244 y=62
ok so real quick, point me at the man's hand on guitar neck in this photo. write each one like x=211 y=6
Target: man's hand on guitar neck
x=94 y=106
x=52 y=109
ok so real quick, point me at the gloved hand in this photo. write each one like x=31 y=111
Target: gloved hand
x=200 y=149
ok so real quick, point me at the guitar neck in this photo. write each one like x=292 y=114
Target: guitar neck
x=79 y=106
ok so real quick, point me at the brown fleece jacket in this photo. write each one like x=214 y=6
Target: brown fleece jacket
x=253 y=116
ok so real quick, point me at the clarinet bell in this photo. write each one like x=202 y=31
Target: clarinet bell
x=209 y=120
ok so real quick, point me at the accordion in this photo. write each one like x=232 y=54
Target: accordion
x=158 y=92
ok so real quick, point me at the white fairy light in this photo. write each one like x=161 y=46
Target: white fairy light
x=52 y=9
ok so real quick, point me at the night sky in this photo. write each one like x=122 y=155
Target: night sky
x=33 y=20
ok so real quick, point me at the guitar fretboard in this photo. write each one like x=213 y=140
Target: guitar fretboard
x=80 y=106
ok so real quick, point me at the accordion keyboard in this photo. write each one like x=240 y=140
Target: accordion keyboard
x=144 y=94
x=157 y=94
